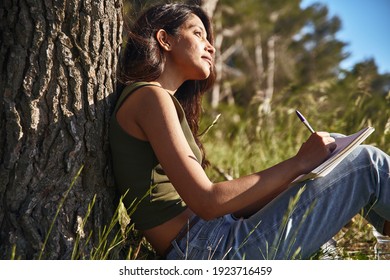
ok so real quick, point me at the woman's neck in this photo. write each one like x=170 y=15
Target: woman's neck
x=169 y=87
x=170 y=79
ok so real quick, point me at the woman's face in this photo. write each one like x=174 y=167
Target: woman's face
x=191 y=52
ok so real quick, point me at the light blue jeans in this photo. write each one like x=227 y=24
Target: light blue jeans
x=296 y=230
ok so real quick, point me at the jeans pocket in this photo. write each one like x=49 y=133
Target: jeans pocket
x=210 y=229
x=182 y=251
x=175 y=253
x=207 y=240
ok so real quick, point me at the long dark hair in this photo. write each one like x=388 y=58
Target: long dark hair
x=143 y=59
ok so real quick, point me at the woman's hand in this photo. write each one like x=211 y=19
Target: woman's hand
x=315 y=151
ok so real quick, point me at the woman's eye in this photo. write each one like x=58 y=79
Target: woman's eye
x=199 y=34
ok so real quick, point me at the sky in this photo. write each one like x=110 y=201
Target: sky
x=365 y=27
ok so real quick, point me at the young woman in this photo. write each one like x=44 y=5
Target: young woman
x=167 y=65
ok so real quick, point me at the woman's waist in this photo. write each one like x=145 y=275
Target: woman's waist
x=161 y=236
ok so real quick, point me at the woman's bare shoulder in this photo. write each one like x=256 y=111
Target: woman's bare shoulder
x=144 y=110
x=150 y=97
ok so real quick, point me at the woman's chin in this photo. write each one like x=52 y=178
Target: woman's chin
x=204 y=75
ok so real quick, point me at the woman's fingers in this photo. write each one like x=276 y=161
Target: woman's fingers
x=332 y=146
x=328 y=141
x=316 y=149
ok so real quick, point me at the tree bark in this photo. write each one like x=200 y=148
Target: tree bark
x=57 y=78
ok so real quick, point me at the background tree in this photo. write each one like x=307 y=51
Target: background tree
x=57 y=78
x=317 y=50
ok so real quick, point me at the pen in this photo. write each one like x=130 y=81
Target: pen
x=305 y=122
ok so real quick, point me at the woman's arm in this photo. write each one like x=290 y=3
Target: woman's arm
x=151 y=115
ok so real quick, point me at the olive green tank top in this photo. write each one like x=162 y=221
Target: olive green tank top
x=138 y=174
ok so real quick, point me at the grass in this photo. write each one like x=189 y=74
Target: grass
x=58 y=211
x=237 y=153
x=245 y=150
x=241 y=145
x=119 y=240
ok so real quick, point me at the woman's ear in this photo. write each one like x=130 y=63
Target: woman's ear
x=163 y=39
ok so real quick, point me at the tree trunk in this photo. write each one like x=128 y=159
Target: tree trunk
x=57 y=80
x=216 y=91
x=265 y=108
